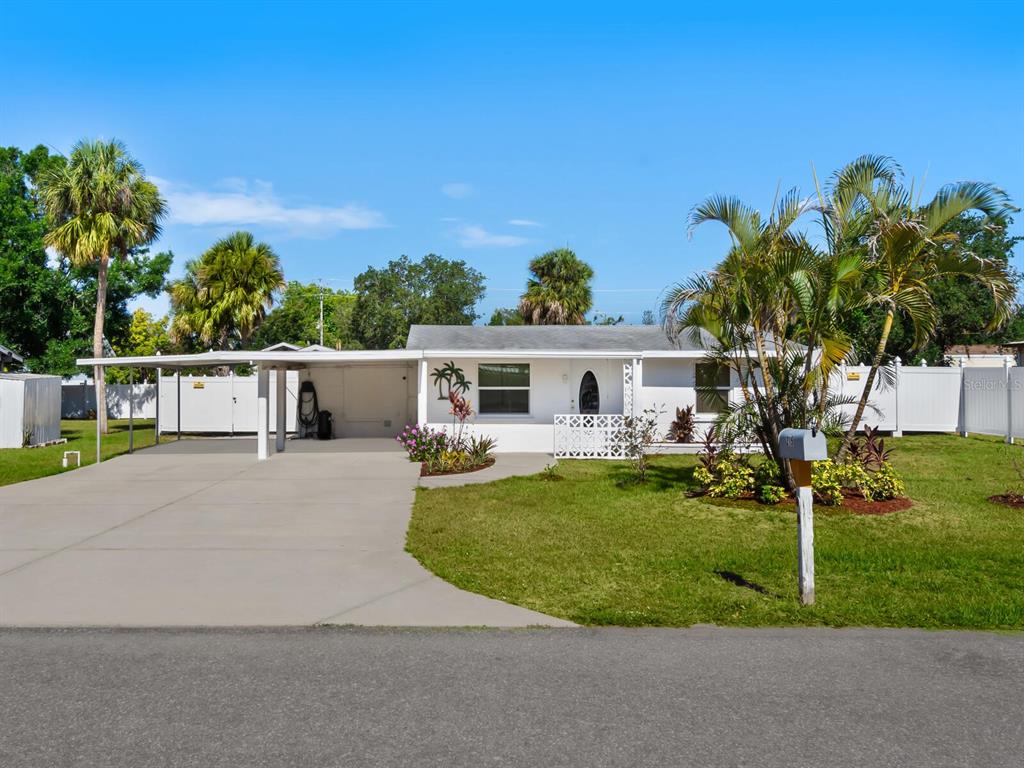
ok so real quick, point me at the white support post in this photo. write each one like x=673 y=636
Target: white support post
x=262 y=413
x=638 y=372
x=1009 y=403
x=177 y=380
x=898 y=429
x=963 y=401
x=131 y=410
x=422 y=392
x=159 y=375
x=805 y=543
x=282 y=409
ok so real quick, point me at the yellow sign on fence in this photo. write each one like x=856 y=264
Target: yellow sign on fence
x=852 y=376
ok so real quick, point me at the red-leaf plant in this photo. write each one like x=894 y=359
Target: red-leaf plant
x=460 y=411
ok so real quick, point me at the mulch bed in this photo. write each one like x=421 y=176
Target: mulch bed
x=477 y=468
x=861 y=506
x=1008 y=499
x=854 y=504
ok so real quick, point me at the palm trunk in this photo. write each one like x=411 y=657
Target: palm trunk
x=97 y=342
x=876 y=363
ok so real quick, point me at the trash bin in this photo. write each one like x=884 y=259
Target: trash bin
x=324 y=425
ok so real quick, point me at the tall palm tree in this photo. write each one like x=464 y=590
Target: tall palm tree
x=226 y=293
x=100 y=206
x=559 y=292
x=748 y=309
x=907 y=247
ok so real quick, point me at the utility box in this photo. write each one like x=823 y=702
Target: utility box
x=803 y=445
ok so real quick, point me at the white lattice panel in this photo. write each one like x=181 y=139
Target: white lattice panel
x=588 y=436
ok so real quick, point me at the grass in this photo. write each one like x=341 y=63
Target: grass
x=597 y=549
x=17 y=464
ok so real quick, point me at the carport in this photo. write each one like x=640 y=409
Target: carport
x=369 y=391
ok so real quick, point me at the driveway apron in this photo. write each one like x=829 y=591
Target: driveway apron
x=198 y=533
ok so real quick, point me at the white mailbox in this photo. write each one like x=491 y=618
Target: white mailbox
x=803 y=445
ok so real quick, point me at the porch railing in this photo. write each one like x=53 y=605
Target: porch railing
x=588 y=436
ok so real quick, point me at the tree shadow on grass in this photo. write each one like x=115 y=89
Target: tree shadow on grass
x=660 y=477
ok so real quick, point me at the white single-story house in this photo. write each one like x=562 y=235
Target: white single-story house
x=548 y=389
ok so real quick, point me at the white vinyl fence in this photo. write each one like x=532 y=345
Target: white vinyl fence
x=221 y=404
x=78 y=400
x=906 y=399
x=209 y=404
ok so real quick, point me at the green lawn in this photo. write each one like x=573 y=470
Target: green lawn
x=595 y=550
x=17 y=464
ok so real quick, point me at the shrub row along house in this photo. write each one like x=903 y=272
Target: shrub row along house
x=550 y=389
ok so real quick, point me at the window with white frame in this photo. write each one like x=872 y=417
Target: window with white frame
x=713 y=387
x=503 y=388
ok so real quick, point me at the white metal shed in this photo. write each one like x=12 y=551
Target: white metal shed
x=29 y=409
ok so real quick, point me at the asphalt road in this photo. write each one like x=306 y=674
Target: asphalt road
x=574 y=697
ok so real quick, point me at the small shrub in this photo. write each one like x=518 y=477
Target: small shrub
x=870 y=451
x=448 y=461
x=550 y=472
x=703 y=476
x=480 y=449
x=421 y=442
x=709 y=448
x=826 y=483
x=884 y=484
x=681 y=428
x=636 y=435
x=733 y=478
x=767 y=473
x=771 y=494
x=828 y=480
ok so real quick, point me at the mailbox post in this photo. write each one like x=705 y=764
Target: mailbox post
x=801 y=447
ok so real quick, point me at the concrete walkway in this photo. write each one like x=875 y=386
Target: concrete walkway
x=198 y=533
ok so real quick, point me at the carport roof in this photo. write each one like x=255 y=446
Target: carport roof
x=289 y=359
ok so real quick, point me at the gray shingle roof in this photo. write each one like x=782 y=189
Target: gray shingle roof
x=609 y=338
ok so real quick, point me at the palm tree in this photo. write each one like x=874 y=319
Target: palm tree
x=558 y=293
x=226 y=293
x=907 y=247
x=748 y=310
x=100 y=205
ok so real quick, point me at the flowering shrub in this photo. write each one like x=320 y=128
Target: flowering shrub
x=828 y=480
x=422 y=443
x=732 y=478
x=884 y=484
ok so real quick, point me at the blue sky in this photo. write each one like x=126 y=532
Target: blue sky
x=346 y=135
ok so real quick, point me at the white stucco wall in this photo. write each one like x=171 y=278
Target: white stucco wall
x=372 y=400
x=554 y=388
x=667 y=384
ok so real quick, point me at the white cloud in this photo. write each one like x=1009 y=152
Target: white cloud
x=471 y=236
x=524 y=223
x=457 y=190
x=239 y=202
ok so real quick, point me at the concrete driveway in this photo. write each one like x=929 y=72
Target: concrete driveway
x=197 y=533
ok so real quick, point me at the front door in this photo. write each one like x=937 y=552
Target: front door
x=585 y=386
